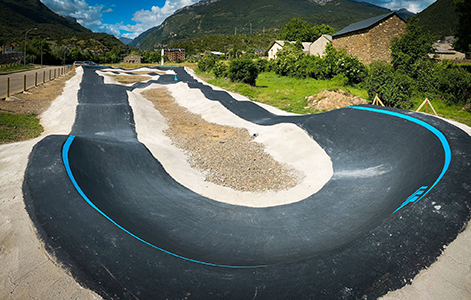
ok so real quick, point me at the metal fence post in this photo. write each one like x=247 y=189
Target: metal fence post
x=24 y=83
x=8 y=87
x=36 y=79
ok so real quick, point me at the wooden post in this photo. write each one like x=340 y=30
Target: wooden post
x=49 y=74
x=427 y=103
x=36 y=79
x=8 y=87
x=44 y=76
x=24 y=83
x=55 y=73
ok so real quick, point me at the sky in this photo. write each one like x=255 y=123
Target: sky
x=128 y=18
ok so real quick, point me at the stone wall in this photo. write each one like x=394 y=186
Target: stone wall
x=372 y=44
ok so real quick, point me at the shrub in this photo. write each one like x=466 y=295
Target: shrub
x=339 y=62
x=207 y=63
x=263 y=65
x=220 y=69
x=287 y=58
x=243 y=70
x=454 y=84
x=394 y=88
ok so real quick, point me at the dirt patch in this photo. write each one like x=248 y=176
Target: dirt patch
x=226 y=155
x=127 y=79
x=330 y=100
x=38 y=99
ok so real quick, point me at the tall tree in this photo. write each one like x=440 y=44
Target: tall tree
x=463 y=32
x=299 y=30
x=411 y=47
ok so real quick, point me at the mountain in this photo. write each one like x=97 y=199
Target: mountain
x=214 y=17
x=17 y=16
x=125 y=40
x=439 y=18
x=404 y=13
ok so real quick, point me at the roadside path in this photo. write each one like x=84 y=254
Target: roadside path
x=35 y=76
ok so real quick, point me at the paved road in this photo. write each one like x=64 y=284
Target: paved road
x=17 y=79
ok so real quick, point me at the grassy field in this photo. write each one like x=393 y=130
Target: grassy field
x=285 y=93
x=18 y=127
x=4 y=69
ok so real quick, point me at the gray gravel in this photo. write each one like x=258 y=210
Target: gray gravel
x=227 y=156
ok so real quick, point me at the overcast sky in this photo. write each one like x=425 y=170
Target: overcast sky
x=131 y=18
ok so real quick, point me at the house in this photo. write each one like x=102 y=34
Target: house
x=318 y=46
x=277 y=45
x=175 y=54
x=369 y=39
x=132 y=59
x=444 y=50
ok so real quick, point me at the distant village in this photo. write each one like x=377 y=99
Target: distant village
x=368 y=40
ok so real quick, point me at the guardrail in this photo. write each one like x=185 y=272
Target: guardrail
x=15 y=83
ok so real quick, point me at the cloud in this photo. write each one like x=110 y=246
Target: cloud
x=411 y=5
x=92 y=16
x=146 y=19
x=87 y=15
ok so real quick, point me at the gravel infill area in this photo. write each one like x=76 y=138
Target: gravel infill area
x=226 y=155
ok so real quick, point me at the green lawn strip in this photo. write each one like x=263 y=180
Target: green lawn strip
x=16 y=127
x=14 y=68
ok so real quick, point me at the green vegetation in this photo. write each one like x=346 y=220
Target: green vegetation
x=15 y=127
x=286 y=93
x=293 y=62
x=243 y=70
x=14 y=68
x=463 y=32
x=439 y=19
x=299 y=30
x=58 y=37
x=225 y=42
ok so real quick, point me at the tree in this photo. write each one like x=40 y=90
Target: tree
x=299 y=30
x=243 y=70
x=411 y=47
x=463 y=32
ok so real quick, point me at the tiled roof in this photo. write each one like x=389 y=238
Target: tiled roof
x=363 y=24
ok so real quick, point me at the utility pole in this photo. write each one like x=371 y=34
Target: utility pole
x=25 y=42
x=250 y=28
x=235 y=33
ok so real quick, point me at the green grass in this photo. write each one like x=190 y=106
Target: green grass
x=285 y=93
x=15 y=127
x=14 y=68
x=444 y=110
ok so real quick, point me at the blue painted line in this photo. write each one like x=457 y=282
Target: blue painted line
x=65 y=159
x=436 y=132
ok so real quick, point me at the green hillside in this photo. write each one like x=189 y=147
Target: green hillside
x=17 y=16
x=439 y=18
x=216 y=17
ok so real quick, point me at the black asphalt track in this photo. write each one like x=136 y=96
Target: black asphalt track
x=106 y=208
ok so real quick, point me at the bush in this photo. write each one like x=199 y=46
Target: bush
x=394 y=88
x=243 y=70
x=220 y=69
x=339 y=62
x=263 y=65
x=207 y=63
x=454 y=84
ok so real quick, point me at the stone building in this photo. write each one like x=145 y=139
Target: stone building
x=175 y=54
x=132 y=59
x=369 y=39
